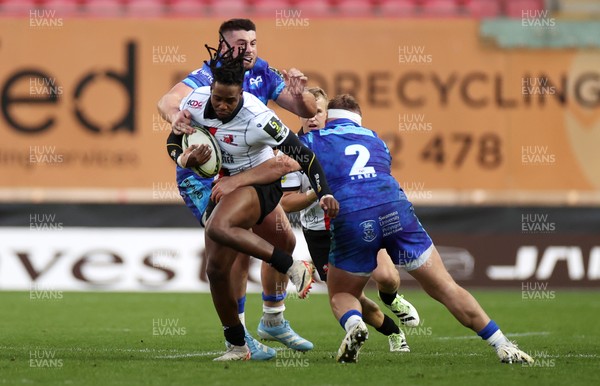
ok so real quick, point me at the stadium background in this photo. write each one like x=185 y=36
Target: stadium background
x=490 y=110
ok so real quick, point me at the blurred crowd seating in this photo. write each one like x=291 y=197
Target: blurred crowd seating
x=268 y=8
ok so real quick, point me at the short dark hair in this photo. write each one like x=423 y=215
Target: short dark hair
x=226 y=69
x=344 y=102
x=237 y=25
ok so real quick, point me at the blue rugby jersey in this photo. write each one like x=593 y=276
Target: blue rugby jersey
x=357 y=165
x=262 y=81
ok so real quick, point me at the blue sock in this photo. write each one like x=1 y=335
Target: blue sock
x=348 y=315
x=274 y=298
x=493 y=335
x=488 y=330
x=241 y=304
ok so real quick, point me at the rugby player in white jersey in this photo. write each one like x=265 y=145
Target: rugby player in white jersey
x=287 y=89
x=247 y=131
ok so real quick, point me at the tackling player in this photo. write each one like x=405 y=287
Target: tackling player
x=374 y=214
x=298 y=196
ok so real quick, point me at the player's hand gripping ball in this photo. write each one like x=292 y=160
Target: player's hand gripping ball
x=202 y=137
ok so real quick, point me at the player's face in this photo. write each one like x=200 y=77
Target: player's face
x=225 y=98
x=318 y=121
x=245 y=39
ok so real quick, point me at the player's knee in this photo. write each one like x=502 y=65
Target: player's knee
x=218 y=231
x=339 y=301
x=388 y=280
x=216 y=272
x=289 y=242
x=391 y=282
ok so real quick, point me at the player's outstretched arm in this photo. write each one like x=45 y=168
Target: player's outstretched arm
x=311 y=166
x=168 y=107
x=265 y=173
x=295 y=97
x=296 y=201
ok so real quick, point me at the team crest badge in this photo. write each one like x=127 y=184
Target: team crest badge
x=368 y=228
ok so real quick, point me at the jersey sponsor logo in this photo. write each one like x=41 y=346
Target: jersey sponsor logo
x=226 y=157
x=368 y=228
x=256 y=81
x=207 y=74
x=194 y=104
x=276 y=129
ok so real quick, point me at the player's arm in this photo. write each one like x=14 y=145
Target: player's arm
x=293 y=199
x=296 y=201
x=194 y=155
x=292 y=146
x=295 y=96
x=168 y=107
x=265 y=173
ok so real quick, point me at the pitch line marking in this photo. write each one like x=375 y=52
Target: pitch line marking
x=517 y=334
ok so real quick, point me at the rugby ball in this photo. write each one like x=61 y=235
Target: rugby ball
x=203 y=137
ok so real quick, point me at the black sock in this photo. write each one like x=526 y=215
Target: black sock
x=280 y=260
x=387 y=298
x=235 y=334
x=388 y=327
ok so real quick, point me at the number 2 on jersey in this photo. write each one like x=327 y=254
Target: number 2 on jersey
x=359 y=169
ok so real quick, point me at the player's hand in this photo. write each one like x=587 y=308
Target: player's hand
x=195 y=155
x=222 y=187
x=330 y=205
x=286 y=164
x=295 y=81
x=180 y=123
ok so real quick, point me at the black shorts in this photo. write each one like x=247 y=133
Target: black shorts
x=269 y=196
x=318 y=246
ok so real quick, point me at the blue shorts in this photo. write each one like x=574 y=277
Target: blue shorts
x=358 y=236
x=195 y=191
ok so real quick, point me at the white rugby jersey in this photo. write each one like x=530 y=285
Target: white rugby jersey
x=312 y=217
x=248 y=138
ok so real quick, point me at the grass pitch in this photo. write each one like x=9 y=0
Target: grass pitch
x=170 y=339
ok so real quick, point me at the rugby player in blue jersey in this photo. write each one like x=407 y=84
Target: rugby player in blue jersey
x=375 y=214
x=299 y=196
x=287 y=89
